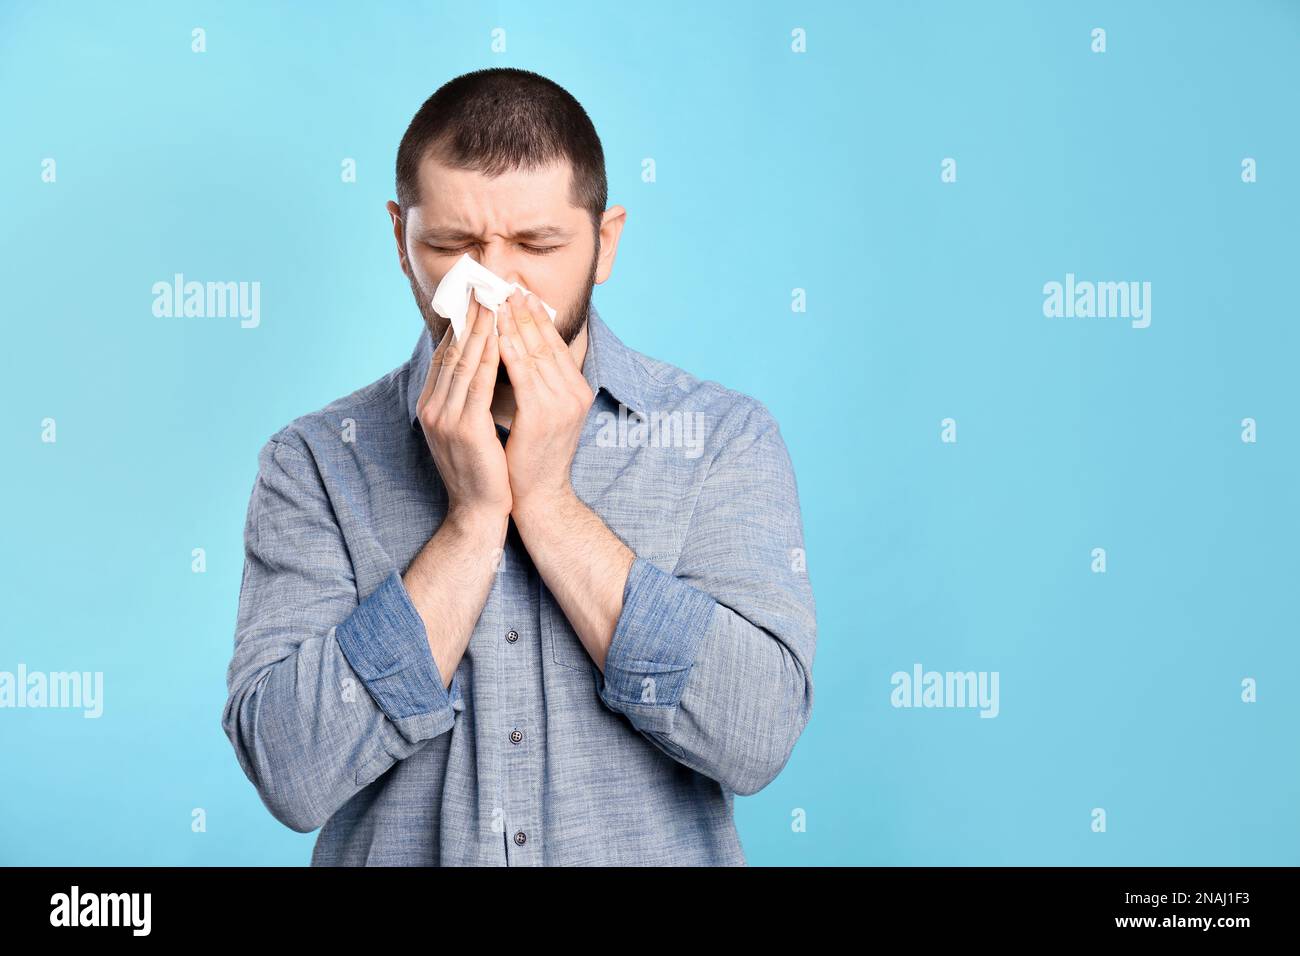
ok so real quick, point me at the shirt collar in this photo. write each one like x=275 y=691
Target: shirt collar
x=612 y=366
x=608 y=365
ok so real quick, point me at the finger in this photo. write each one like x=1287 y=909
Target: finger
x=478 y=395
x=530 y=336
x=519 y=364
x=435 y=364
x=530 y=341
x=467 y=366
x=569 y=370
x=450 y=355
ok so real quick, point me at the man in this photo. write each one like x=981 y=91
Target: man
x=490 y=615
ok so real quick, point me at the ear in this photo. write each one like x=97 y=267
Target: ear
x=399 y=234
x=611 y=228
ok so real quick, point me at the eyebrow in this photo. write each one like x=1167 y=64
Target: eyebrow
x=531 y=234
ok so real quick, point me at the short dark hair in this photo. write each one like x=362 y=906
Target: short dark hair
x=495 y=120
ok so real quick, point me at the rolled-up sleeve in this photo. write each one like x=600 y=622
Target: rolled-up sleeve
x=385 y=642
x=711 y=659
x=327 y=688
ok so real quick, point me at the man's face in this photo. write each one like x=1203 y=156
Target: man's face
x=519 y=225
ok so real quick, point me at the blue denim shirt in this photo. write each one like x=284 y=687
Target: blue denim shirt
x=531 y=756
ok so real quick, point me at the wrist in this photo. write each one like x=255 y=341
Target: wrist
x=538 y=507
x=477 y=522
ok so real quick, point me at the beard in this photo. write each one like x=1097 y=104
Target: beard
x=568 y=323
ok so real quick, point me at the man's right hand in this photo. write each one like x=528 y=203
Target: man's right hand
x=455 y=410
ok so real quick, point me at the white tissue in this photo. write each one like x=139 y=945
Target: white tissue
x=466 y=278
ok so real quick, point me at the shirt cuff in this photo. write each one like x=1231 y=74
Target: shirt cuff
x=654 y=645
x=385 y=641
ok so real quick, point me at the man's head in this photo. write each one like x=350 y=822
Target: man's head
x=505 y=165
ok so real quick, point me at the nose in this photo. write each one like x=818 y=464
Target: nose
x=496 y=258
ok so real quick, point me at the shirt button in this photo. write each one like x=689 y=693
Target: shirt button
x=512 y=636
x=521 y=838
x=516 y=736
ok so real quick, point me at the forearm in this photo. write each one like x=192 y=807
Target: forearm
x=583 y=563
x=449 y=581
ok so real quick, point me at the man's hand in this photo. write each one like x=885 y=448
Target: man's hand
x=583 y=563
x=551 y=404
x=456 y=415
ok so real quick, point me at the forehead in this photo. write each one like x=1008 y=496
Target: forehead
x=467 y=199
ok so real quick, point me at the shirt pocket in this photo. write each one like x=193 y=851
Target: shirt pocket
x=559 y=637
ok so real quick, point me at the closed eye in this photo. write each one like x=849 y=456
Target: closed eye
x=533 y=250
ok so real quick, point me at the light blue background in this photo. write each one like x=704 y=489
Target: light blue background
x=776 y=171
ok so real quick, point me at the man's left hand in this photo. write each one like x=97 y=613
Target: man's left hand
x=551 y=403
